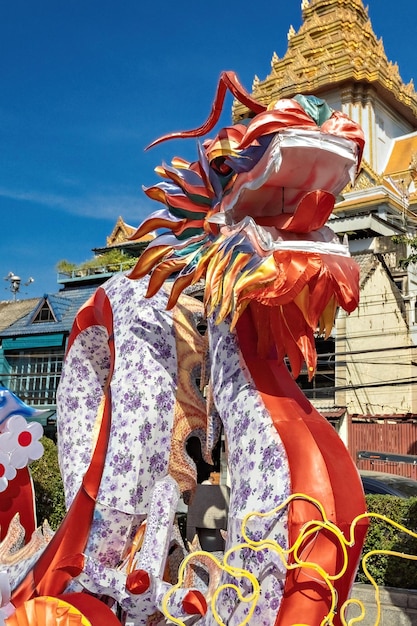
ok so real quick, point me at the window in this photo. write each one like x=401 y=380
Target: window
x=401 y=283
x=44 y=314
x=34 y=375
x=323 y=384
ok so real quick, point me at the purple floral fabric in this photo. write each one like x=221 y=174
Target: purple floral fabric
x=259 y=477
x=79 y=394
x=136 y=484
x=153 y=554
x=143 y=386
x=142 y=391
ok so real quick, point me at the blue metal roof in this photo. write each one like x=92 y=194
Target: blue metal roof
x=64 y=305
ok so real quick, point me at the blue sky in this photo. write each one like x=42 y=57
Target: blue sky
x=87 y=84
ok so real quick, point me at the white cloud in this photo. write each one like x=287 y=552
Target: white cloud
x=133 y=208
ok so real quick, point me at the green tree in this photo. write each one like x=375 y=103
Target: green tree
x=389 y=570
x=65 y=267
x=113 y=259
x=49 y=490
x=412 y=243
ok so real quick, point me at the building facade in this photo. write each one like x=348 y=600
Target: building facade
x=367 y=371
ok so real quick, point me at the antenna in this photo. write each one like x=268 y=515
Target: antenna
x=15 y=283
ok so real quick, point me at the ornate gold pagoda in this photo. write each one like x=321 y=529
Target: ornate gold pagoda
x=336 y=55
x=335 y=47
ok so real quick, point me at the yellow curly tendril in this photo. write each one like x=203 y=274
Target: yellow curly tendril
x=368 y=555
x=236 y=572
x=306 y=534
x=311 y=528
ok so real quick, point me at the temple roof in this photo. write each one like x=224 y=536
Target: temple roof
x=403 y=156
x=335 y=45
x=120 y=238
x=122 y=232
x=401 y=167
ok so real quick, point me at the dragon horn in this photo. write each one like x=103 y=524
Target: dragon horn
x=227 y=80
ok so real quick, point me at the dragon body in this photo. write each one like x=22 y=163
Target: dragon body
x=249 y=218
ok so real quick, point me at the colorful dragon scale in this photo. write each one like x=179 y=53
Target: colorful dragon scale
x=249 y=217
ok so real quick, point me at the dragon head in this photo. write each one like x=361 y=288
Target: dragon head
x=249 y=217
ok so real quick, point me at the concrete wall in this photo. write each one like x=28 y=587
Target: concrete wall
x=398 y=606
x=379 y=353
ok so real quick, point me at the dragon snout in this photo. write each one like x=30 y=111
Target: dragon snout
x=295 y=183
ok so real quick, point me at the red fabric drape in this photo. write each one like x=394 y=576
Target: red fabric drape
x=18 y=498
x=71 y=537
x=321 y=467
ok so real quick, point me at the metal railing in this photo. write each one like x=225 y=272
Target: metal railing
x=88 y=272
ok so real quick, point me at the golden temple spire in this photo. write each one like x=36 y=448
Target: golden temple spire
x=291 y=32
x=335 y=47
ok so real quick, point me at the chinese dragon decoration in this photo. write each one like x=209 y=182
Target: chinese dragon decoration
x=248 y=221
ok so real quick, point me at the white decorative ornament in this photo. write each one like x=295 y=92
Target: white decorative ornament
x=7 y=471
x=19 y=445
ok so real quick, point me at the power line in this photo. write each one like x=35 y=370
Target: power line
x=330 y=391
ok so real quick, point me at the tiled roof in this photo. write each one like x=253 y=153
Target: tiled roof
x=332 y=412
x=64 y=304
x=11 y=311
x=367 y=262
